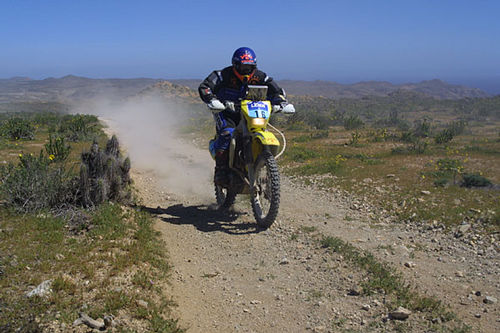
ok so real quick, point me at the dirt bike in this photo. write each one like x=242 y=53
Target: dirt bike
x=252 y=164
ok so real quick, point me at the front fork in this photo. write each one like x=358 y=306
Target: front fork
x=249 y=162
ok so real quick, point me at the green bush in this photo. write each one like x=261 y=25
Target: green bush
x=35 y=184
x=38 y=182
x=457 y=127
x=449 y=168
x=367 y=159
x=474 y=180
x=441 y=182
x=392 y=121
x=297 y=126
x=353 y=122
x=355 y=136
x=49 y=119
x=300 y=154
x=380 y=135
x=449 y=165
x=452 y=129
x=444 y=136
x=422 y=129
x=417 y=147
x=302 y=139
x=57 y=149
x=319 y=121
x=332 y=165
x=79 y=127
x=18 y=128
x=408 y=136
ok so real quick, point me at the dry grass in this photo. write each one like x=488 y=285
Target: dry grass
x=400 y=182
x=102 y=272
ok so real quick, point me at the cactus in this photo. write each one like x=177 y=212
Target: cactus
x=84 y=185
x=112 y=147
x=104 y=175
x=125 y=168
x=100 y=191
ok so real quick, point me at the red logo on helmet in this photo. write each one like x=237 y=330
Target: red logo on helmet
x=247 y=57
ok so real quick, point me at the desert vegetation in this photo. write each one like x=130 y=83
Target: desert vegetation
x=66 y=198
x=430 y=161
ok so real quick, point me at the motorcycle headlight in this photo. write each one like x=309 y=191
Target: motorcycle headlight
x=258 y=122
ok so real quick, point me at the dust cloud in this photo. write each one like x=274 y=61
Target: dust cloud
x=146 y=127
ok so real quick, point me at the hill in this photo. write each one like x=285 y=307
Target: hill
x=69 y=88
x=433 y=88
x=75 y=88
x=171 y=90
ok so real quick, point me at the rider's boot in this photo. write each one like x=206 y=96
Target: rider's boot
x=222 y=168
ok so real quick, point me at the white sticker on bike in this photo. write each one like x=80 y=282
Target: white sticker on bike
x=258 y=110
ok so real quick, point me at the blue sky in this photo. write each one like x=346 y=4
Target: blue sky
x=343 y=41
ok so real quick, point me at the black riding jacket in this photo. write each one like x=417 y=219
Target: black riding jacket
x=227 y=85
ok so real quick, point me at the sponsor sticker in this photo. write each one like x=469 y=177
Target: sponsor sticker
x=258 y=110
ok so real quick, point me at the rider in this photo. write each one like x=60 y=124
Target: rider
x=228 y=86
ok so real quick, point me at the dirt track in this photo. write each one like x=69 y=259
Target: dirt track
x=230 y=277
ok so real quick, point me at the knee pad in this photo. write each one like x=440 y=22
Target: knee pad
x=223 y=139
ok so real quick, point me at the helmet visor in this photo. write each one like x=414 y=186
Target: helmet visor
x=245 y=69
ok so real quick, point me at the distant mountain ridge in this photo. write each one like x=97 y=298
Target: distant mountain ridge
x=433 y=88
x=69 y=88
x=72 y=88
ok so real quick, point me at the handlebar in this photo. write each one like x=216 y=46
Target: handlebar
x=216 y=106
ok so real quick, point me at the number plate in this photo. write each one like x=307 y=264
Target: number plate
x=258 y=110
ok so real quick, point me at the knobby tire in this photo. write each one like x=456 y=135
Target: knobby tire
x=225 y=198
x=266 y=218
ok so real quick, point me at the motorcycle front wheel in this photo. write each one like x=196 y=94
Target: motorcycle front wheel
x=266 y=197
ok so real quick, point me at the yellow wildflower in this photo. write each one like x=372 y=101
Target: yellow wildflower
x=20 y=155
x=51 y=157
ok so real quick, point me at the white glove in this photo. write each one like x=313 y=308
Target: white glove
x=229 y=105
x=289 y=109
x=286 y=108
x=216 y=105
x=277 y=108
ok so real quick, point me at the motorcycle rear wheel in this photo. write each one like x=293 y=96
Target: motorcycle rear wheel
x=266 y=199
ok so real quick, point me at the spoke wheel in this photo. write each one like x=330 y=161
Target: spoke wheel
x=225 y=198
x=266 y=199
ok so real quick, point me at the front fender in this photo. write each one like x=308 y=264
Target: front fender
x=264 y=139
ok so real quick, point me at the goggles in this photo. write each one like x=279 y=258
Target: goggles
x=245 y=69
